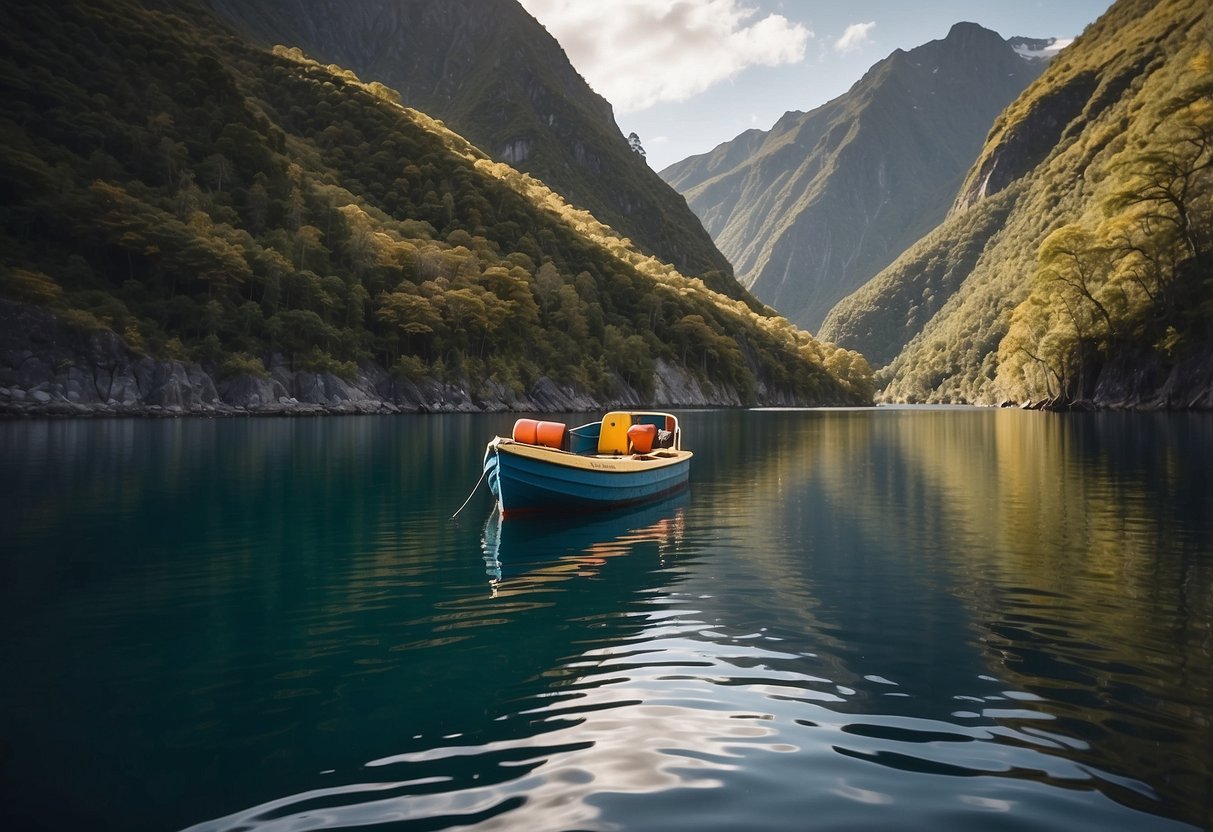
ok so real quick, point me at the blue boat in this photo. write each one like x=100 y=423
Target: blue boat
x=627 y=458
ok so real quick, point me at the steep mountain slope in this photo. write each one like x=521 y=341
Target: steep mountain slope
x=493 y=74
x=1075 y=264
x=183 y=207
x=811 y=210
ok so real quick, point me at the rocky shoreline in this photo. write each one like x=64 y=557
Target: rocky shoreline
x=51 y=369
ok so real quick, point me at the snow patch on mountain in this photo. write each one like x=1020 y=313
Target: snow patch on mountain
x=1039 y=49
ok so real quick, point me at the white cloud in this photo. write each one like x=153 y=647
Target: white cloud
x=854 y=37
x=636 y=53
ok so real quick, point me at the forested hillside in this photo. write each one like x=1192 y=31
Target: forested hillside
x=811 y=210
x=494 y=75
x=1075 y=265
x=217 y=203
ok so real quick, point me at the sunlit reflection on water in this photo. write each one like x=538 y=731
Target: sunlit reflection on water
x=914 y=618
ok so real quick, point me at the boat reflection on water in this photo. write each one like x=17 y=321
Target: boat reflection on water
x=524 y=551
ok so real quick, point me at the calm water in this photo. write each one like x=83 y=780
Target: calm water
x=901 y=619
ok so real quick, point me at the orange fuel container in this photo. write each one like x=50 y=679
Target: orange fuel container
x=641 y=437
x=531 y=432
x=550 y=434
x=524 y=431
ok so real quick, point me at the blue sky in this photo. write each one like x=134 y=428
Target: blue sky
x=686 y=75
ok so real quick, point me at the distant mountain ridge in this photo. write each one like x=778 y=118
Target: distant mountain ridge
x=495 y=75
x=812 y=209
x=1074 y=267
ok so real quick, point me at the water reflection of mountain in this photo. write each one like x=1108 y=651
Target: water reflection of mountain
x=267 y=610
x=279 y=615
x=172 y=497
x=515 y=672
x=1067 y=556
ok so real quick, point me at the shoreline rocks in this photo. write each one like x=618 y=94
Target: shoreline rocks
x=50 y=369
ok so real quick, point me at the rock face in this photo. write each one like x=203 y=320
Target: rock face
x=1145 y=383
x=48 y=368
x=812 y=209
x=493 y=74
x=1142 y=381
x=1029 y=141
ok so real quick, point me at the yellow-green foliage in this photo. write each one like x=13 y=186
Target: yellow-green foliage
x=1135 y=274
x=243 y=364
x=30 y=286
x=505 y=84
x=1126 y=80
x=251 y=203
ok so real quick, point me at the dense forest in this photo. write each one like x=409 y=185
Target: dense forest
x=1132 y=278
x=494 y=75
x=218 y=203
x=1075 y=265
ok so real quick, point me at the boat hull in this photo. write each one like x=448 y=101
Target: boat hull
x=527 y=479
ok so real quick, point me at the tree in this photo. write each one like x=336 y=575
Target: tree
x=411 y=314
x=1074 y=258
x=634 y=143
x=217 y=171
x=547 y=286
x=308 y=240
x=299 y=330
x=1029 y=356
x=629 y=355
x=512 y=286
x=1163 y=180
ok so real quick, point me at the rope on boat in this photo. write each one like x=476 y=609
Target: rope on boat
x=472 y=494
x=492 y=444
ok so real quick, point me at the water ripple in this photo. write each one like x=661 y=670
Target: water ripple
x=928 y=619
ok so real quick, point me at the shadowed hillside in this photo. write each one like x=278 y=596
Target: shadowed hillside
x=193 y=221
x=495 y=75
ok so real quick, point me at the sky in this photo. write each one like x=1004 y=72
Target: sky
x=686 y=75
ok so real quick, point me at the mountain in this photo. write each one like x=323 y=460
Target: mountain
x=195 y=223
x=810 y=210
x=493 y=74
x=1074 y=267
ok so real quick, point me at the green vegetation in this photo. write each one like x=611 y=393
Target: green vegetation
x=1136 y=282
x=495 y=76
x=1086 y=167
x=211 y=201
x=889 y=310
